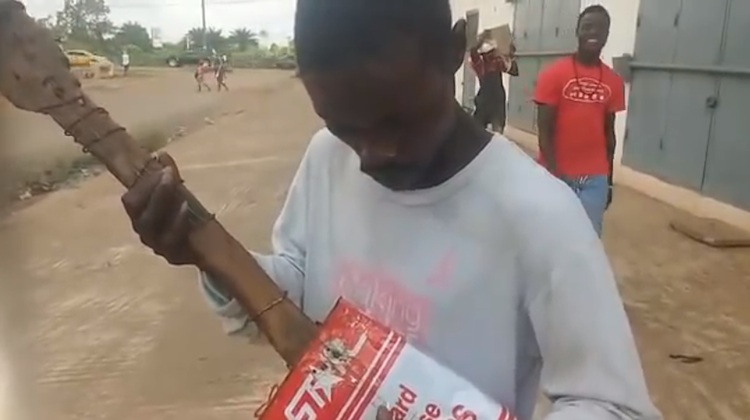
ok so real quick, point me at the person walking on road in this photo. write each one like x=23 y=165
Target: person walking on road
x=221 y=74
x=408 y=208
x=200 y=75
x=489 y=65
x=577 y=98
x=125 y=62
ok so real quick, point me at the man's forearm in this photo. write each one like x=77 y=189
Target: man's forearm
x=283 y=271
x=611 y=144
x=547 y=147
x=547 y=150
x=546 y=116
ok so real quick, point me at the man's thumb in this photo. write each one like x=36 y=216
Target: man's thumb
x=383 y=414
x=168 y=161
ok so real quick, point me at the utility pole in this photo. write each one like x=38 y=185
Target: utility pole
x=205 y=31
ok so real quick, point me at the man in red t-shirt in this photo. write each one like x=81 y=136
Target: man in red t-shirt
x=578 y=97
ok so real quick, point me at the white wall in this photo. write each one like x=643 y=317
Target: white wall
x=492 y=13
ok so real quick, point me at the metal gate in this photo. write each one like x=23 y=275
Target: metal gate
x=544 y=30
x=691 y=78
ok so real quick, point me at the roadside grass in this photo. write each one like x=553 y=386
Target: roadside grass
x=68 y=171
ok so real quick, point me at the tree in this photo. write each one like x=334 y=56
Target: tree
x=244 y=38
x=132 y=33
x=48 y=22
x=214 y=38
x=291 y=46
x=194 y=38
x=263 y=35
x=85 y=20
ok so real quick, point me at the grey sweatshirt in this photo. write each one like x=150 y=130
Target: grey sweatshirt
x=496 y=273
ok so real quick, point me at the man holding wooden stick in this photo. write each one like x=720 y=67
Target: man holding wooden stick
x=409 y=209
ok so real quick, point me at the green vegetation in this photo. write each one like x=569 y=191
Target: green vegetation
x=70 y=170
x=85 y=24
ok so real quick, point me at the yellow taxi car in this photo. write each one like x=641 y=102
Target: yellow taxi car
x=88 y=60
x=80 y=58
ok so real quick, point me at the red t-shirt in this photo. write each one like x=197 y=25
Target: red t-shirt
x=486 y=63
x=583 y=97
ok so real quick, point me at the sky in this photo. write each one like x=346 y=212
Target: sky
x=175 y=17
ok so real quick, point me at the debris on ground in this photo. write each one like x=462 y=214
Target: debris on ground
x=712 y=232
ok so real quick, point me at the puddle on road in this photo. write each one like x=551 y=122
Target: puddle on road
x=5 y=397
x=13 y=325
x=9 y=401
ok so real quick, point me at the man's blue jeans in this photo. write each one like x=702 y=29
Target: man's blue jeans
x=593 y=192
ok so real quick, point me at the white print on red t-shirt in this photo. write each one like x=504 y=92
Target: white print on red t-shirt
x=381 y=294
x=587 y=90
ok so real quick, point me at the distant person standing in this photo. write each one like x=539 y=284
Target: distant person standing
x=221 y=74
x=578 y=97
x=200 y=75
x=489 y=65
x=125 y=62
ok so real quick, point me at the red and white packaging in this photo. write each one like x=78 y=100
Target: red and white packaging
x=357 y=365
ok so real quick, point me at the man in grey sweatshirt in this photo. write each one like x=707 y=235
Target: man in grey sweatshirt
x=408 y=208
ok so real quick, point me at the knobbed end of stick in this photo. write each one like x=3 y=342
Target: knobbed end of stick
x=34 y=76
x=9 y=6
x=34 y=72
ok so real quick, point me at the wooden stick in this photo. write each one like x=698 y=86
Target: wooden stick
x=35 y=76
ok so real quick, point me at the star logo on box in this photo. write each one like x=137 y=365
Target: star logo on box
x=316 y=391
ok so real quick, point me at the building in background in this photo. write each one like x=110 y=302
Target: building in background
x=156 y=37
x=687 y=68
x=479 y=15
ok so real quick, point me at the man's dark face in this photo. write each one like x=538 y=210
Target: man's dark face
x=593 y=31
x=394 y=110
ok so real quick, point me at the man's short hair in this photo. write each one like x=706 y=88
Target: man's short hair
x=596 y=8
x=332 y=33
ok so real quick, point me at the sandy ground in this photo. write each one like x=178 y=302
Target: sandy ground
x=94 y=327
x=148 y=101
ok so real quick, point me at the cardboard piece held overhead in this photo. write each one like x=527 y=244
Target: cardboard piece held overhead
x=503 y=37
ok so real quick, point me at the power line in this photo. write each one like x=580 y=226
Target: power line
x=203 y=20
x=181 y=4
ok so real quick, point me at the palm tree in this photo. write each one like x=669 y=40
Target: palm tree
x=244 y=38
x=216 y=39
x=195 y=38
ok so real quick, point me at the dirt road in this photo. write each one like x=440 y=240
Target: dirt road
x=147 y=101
x=97 y=328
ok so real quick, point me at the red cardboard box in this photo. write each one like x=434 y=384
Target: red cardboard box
x=357 y=365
